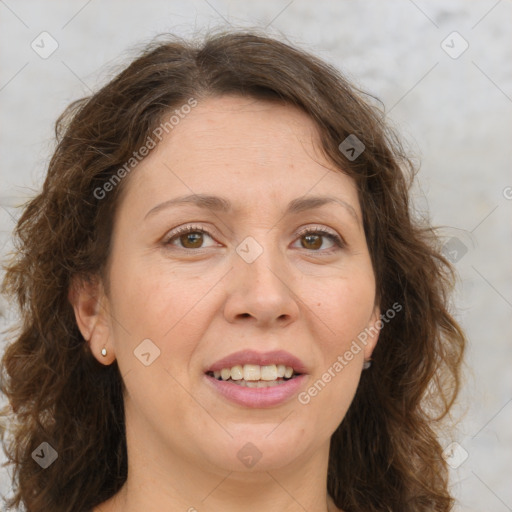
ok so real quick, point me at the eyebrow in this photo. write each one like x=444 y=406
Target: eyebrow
x=220 y=204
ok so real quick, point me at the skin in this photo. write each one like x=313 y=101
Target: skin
x=197 y=305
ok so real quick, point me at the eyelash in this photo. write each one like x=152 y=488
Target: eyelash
x=339 y=243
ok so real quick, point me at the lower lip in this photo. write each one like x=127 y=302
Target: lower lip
x=257 y=397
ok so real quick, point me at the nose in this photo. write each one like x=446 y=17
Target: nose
x=261 y=292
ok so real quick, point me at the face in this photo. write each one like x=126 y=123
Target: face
x=274 y=260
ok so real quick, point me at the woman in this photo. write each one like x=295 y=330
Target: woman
x=226 y=303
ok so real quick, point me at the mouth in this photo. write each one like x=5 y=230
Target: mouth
x=255 y=376
x=258 y=380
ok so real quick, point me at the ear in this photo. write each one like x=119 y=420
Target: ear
x=373 y=330
x=90 y=305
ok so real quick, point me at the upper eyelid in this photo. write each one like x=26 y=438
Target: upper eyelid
x=318 y=227
x=191 y=227
x=211 y=232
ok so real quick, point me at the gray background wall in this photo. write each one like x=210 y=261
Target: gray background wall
x=453 y=107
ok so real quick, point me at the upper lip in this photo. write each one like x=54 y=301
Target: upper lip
x=260 y=358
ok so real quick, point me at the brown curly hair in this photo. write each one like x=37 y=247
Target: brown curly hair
x=385 y=455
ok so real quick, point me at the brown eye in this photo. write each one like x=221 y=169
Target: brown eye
x=190 y=237
x=311 y=242
x=192 y=240
x=312 y=239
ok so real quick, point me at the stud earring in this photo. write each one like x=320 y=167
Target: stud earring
x=104 y=352
x=367 y=364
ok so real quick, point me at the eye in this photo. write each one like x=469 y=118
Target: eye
x=189 y=237
x=313 y=239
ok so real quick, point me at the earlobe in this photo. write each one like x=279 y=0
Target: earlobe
x=90 y=306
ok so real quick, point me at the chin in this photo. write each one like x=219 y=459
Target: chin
x=258 y=448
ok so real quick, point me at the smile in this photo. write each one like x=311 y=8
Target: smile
x=253 y=374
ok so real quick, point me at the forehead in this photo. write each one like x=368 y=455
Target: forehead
x=235 y=126
x=245 y=148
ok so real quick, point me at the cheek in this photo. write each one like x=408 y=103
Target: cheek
x=344 y=307
x=172 y=309
x=154 y=298
x=329 y=393
x=165 y=307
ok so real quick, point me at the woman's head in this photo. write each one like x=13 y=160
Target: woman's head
x=215 y=198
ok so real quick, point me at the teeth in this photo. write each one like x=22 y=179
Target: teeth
x=269 y=372
x=250 y=374
x=259 y=384
x=237 y=372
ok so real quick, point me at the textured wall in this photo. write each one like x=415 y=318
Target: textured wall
x=449 y=94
